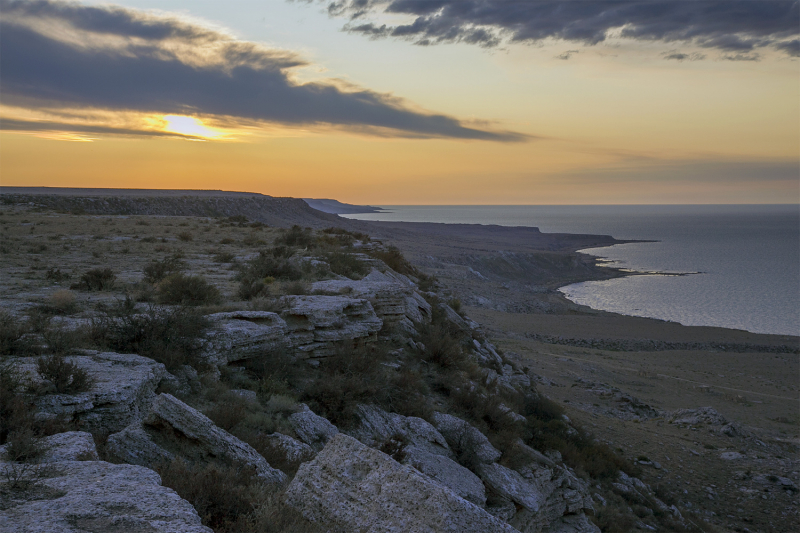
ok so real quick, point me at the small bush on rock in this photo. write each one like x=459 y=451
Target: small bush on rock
x=296 y=236
x=347 y=265
x=171 y=336
x=63 y=376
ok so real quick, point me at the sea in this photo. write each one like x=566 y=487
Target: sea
x=732 y=266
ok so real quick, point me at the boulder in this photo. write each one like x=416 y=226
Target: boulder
x=81 y=496
x=241 y=335
x=311 y=428
x=314 y=323
x=376 y=426
x=362 y=489
x=417 y=443
x=173 y=429
x=291 y=451
x=124 y=388
x=465 y=439
x=447 y=473
x=510 y=485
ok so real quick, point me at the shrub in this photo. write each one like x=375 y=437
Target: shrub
x=96 y=279
x=185 y=236
x=180 y=289
x=171 y=336
x=268 y=264
x=347 y=265
x=395 y=260
x=13 y=336
x=63 y=376
x=230 y=499
x=55 y=275
x=156 y=271
x=63 y=302
x=296 y=236
x=224 y=257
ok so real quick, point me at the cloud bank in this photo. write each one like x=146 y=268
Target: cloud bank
x=735 y=26
x=64 y=55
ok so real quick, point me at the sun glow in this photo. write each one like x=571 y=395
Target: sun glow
x=189 y=126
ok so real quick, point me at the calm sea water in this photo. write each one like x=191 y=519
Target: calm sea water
x=747 y=258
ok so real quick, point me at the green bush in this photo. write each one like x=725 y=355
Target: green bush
x=182 y=289
x=63 y=376
x=171 y=336
x=230 y=499
x=268 y=265
x=96 y=279
x=156 y=271
x=296 y=236
x=13 y=336
x=347 y=265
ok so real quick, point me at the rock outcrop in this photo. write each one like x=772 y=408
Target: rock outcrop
x=76 y=496
x=243 y=334
x=362 y=489
x=393 y=297
x=314 y=323
x=415 y=442
x=173 y=429
x=124 y=388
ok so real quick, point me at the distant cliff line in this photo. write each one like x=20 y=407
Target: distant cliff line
x=274 y=211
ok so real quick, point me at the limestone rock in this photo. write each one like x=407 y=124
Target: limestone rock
x=693 y=417
x=125 y=386
x=241 y=335
x=365 y=490
x=465 y=439
x=447 y=473
x=422 y=447
x=510 y=485
x=291 y=450
x=315 y=322
x=81 y=496
x=392 y=298
x=173 y=429
x=311 y=428
x=69 y=446
x=376 y=426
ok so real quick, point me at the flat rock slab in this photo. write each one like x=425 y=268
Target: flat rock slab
x=95 y=496
x=365 y=490
x=311 y=428
x=173 y=429
x=125 y=386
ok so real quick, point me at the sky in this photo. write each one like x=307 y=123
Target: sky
x=392 y=102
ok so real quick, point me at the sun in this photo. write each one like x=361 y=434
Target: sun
x=189 y=126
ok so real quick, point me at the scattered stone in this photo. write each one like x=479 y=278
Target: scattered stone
x=730 y=456
x=365 y=490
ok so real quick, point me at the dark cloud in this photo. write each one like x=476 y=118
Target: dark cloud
x=566 y=55
x=119 y=59
x=680 y=56
x=790 y=47
x=727 y=25
x=740 y=57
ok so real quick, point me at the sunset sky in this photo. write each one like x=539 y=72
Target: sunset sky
x=407 y=101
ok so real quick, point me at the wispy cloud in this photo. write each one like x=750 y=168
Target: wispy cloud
x=65 y=55
x=726 y=25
